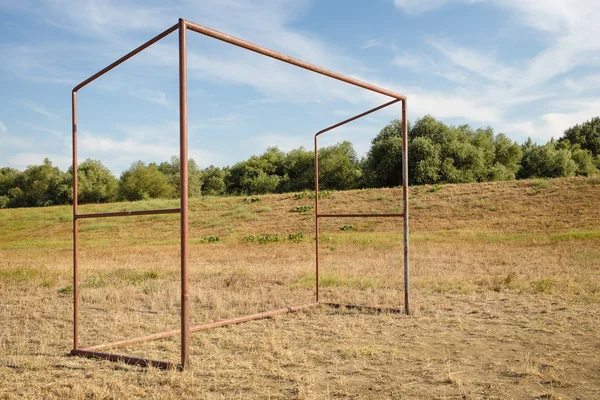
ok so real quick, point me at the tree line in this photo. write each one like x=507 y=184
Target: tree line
x=438 y=153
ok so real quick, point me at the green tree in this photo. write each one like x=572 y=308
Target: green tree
x=141 y=182
x=257 y=175
x=298 y=171
x=171 y=170
x=586 y=135
x=440 y=153
x=546 y=161
x=382 y=167
x=41 y=185
x=8 y=181
x=339 y=168
x=214 y=181
x=95 y=182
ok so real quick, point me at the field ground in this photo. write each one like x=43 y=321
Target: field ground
x=505 y=290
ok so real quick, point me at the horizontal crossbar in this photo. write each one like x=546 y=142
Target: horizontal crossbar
x=128 y=213
x=142 y=362
x=202 y=327
x=358 y=215
x=92 y=351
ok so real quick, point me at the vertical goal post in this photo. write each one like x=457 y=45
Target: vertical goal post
x=96 y=351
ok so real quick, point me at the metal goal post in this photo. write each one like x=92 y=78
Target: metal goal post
x=97 y=351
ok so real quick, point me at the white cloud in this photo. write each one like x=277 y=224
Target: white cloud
x=2 y=128
x=451 y=106
x=426 y=65
x=420 y=6
x=25 y=159
x=484 y=65
x=153 y=96
x=39 y=109
x=371 y=43
x=284 y=142
x=118 y=154
x=44 y=129
x=568 y=28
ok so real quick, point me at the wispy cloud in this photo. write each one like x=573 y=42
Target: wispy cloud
x=44 y=129
x=39 y=109
x=420 y=6
x=153 y=96
x=23 y=160
x=483 y=65
x=2 y=128
x=371 y=43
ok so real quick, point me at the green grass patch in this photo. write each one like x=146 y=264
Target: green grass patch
x=544 y=285
x=539 y=185
x=240 y=213
x=594 y=180
x=311 y=194
x=250 y=200
x=41 y=276
x=301 y=209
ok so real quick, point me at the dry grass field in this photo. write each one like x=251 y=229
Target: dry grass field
x=505 y=290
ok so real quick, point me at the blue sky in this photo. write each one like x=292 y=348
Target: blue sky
x=526 y=68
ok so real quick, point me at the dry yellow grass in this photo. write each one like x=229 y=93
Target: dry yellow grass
x=505 y=278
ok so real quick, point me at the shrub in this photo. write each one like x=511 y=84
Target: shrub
x=262 y=239
x=296 y=237
x=346 y=227
x=301 y=209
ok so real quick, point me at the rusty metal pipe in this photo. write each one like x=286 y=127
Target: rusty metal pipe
x=127 y=213
x=405 y=206
x=142 y=362
x=287 y=59
x=183 y=195
x=317 y=215
x=202 y=327
x=359 y=215
x=127 y=57
x=75 y=230
x=317 y=218
x=344 y=122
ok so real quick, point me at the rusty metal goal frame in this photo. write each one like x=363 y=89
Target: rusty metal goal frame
x=185 y=329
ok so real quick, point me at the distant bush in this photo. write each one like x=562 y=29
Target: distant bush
x=211 y=239
x=296 y=237
x=249 y=200
x=263 y=239
x=546 y=161
x=311 y=194
x=346 y=227
x=435 y=188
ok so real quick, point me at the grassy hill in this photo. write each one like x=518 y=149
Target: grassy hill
x=503 y=211
x=505 y=288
